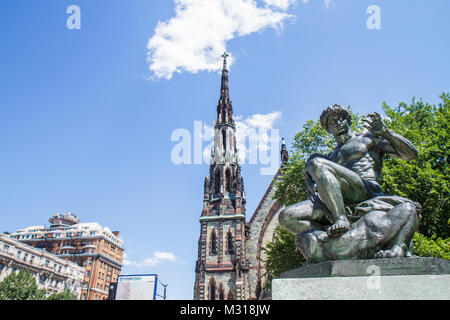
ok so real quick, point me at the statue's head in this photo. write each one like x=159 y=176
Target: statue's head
x=338 y=115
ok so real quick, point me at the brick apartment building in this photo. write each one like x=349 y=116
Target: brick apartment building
x=90 y=245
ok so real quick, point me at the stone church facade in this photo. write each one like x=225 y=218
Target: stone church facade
x=230 y=262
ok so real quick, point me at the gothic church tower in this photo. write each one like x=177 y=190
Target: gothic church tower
x=221 y=270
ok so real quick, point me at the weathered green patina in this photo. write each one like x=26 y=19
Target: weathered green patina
x=346 y=215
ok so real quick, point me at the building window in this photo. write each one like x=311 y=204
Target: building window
x=217 y=182
x=230 y=245
x=213 y=243
x=5 y=248
x=18 y=254
x=228 y=185
x=224 y=141
x=212 y=289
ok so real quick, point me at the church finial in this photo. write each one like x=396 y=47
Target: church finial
x=225 y=56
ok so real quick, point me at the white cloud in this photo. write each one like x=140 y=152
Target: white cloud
x=169 y=256
x=196 y=36
x=328 y=3
x=256 y=128
x=281 y=4
x=157 y=258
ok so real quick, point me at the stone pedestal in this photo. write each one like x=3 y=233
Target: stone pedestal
x=377 y=279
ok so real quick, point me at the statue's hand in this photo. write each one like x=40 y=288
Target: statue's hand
x=375 y=125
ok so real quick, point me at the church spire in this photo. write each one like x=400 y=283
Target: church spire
x=222 y=262
x=224 y=108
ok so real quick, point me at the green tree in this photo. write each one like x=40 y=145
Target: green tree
x=431 y=247
x=65 y=295
x=424 y=180
x=282 y=254
x=20 y=286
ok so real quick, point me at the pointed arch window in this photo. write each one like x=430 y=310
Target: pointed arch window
x=224 y=141
x=217 y=182
x=230 y=244
x=212 y=289
x=228 y=180
x=213 y=243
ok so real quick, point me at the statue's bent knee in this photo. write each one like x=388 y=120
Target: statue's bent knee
x=283 y=217
x=289 y=217
x=315 y=165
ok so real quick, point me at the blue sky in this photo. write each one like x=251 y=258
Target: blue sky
x=86 y=115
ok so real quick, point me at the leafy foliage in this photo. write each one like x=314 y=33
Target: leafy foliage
x=65 y=295
x=431 y=247
x=20 y=286
x=281 y=253
x=425 y=180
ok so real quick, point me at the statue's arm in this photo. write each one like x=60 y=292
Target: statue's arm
x=390 y=142
x=396 y=145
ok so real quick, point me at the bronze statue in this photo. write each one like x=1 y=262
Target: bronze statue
x=346 y=215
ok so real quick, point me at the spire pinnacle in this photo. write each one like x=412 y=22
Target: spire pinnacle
x=225 y=56
x=224 y=109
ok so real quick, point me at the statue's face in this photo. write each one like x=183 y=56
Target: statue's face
x=337 y=124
